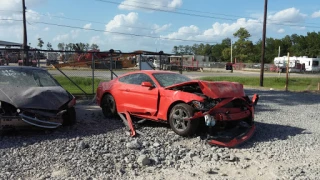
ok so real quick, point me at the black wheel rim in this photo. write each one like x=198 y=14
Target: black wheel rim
x=179 y=122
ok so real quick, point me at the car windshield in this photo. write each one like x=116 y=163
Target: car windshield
x=26 y=77
x=168 y=79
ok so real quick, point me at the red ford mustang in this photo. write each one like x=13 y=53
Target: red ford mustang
x=220 y=108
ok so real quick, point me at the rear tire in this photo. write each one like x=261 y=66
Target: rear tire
x=108 y=105
x=69 y=118
x=178 y=124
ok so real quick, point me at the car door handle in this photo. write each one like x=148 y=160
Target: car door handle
x=127 y=90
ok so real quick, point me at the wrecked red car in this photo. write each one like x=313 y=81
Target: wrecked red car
x=30 y=96
x=220 y=108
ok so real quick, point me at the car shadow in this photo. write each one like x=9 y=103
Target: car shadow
x=266 y=132
x=90 y=121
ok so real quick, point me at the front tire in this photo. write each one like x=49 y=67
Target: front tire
x=177 y=122
x=108 y=105
x=69 y=118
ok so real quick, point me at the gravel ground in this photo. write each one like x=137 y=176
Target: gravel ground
x=285 y=146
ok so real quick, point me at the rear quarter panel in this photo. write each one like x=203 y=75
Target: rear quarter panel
x=104 y=87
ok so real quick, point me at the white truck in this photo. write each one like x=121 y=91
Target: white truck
x=52 y=58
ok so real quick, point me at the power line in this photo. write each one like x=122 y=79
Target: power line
x=184 y=9
x=162 y=10
x=196 y=15
x=98 y=22
x=153 y=29
x=121 y=33
x=206 y=12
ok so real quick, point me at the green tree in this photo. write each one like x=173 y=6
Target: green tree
x=61 y=46
x=40 y=43
x=243 y=46
x=94 y=46
x=175 y=50
x=87 y=47
x=226 y=54
x=49 y=46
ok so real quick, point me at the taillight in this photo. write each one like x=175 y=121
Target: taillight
x=72 y=102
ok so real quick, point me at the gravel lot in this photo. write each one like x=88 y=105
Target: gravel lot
x=285 y=146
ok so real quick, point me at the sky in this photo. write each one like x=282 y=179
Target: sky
x=153 y=25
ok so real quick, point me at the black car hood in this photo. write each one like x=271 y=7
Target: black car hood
x=48 y=98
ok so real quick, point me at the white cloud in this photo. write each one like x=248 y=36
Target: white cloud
x=32 y=15
x=74 y=33
x=97 y=40
x=290 y=15
x=46 y=29
x=185 y=32
x=61 y=38
x=316 y=14
x=157 y=28
x=121 y=21
x=281 y=31
x=15 y=5
x=150 y=5
x=217 y=32
x=87 y=26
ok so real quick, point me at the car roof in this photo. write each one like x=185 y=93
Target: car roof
x=152 y=72
x=21 y=67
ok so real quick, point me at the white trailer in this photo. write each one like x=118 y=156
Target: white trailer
x=294 y=64
x=311 y=64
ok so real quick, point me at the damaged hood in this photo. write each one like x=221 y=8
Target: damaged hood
x=222 y=89
x=49 y=98
x=216 y=89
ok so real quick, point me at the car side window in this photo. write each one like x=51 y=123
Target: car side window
x=125 y=79
x=136 y=79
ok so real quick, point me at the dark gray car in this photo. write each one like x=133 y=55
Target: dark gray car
x=31 y=96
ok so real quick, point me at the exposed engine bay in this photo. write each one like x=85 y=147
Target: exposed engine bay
x=223 y=119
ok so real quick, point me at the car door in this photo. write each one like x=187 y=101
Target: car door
x=140 y=99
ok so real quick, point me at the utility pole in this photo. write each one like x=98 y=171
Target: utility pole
x=25 y=46
x=263 y=41
x=231 y=57
x=231 y=50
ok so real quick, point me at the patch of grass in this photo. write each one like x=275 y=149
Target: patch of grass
x=84 y=83
x=278 y=83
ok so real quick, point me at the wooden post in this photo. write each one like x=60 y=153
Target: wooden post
x=318 y=86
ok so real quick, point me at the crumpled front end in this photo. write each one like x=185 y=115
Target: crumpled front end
x=42 y=119
x=229 y=121
x=12 y=117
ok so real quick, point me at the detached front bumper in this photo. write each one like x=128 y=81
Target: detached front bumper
x=230 y=126
x=234 y=141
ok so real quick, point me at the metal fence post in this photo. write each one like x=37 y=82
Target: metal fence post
x=92 y=68
x=140 y=61
x=38 y=57
x=181 y=64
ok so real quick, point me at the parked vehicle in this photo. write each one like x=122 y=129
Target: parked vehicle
x=187 y=105
x=31 y=96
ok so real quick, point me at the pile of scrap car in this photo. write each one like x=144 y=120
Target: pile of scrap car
x=221 y=110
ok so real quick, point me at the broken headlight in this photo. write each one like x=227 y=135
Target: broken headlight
x=198 y=105
x=204 y=106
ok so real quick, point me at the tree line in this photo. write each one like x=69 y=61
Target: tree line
x=245 y=50
x=69 y=46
